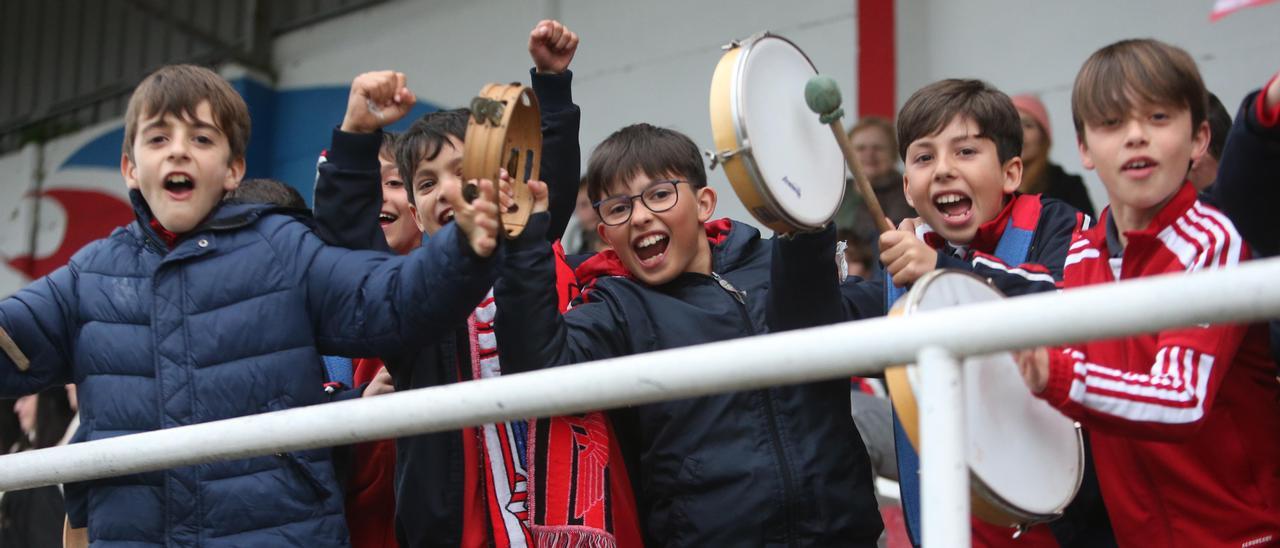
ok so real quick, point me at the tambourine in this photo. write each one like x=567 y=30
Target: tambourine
x=781 y=160
x=504 y=131
x=1026 y=460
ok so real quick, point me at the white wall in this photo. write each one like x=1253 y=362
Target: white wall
x=652 y=61
x=638 y=61
x=1037 y=46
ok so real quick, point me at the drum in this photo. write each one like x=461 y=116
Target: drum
x=1026 y=460
x=781 y=160
x=505 y=130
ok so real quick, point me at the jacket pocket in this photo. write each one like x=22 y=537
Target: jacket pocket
x=295 y=464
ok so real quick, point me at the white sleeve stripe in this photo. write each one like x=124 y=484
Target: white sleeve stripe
x=1074 y=258
x=1233 y=251
x=1032 y=276
x=1188 y=252
x=1180 y=398
x=1078 y=244
x=1210 y=258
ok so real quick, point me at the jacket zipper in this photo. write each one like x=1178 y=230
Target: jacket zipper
x=788 y=482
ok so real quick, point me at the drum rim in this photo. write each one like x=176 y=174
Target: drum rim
x=911 y=305
x=736 y=98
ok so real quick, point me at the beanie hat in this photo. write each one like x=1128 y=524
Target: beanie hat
x=1031 y=105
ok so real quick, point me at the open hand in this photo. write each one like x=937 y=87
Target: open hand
x=377 y=100
x=552 y=45
x=905 y=256
x=478 y=219
x=381 y=384
x=1034 y=366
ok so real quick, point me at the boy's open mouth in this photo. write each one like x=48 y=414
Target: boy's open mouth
x=651 y=248
x=955 y=207
x=179 y=185
x=386 y=217
x=445 y=217
x=1139 y=167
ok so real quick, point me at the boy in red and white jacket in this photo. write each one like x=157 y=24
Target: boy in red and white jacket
x=1184 y=422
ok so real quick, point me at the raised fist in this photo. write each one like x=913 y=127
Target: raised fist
x=378 y=99
x=552 y=45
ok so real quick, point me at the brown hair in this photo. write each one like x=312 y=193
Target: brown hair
x=178 y=90
x=647 y=149
x=1130 y=72
x=425 y=139
x=876 y=122
x=932 y=107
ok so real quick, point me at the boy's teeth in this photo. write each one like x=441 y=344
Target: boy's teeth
x=386 y=217
x=646 y=242
x=948 y=199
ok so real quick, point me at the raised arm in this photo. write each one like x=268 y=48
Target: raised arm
x=348 y=193
x=552 y=47
x=36 y=330
x=366 y=303
x=532 y=333
x=1249 y=172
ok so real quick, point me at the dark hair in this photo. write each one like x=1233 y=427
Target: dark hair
x=388 y=148
x=1219 y=126
x=932 y=107
x=647 y=149
x=1142 y=71
x=178 y=90
x=53 y=415
x=266 y=191
x=426 y=138
x=10 y=430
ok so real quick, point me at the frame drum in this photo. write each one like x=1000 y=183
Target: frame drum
x=1026 y=460
x=505 y=130
x=780 y=158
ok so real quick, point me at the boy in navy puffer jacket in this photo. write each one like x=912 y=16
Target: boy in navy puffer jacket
x=201 y=311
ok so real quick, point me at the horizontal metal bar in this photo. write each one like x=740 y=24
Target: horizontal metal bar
x=1245 y=293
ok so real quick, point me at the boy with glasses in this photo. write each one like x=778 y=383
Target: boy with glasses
x=781 y=465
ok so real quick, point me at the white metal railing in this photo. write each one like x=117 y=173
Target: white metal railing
x=935 y=339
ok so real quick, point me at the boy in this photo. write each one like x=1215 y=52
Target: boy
x=201 y=311
x=442 y=500
x=781 y=465
x=960 y=141
x=1184 y=421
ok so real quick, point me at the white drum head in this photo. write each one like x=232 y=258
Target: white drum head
x=1025 y=452
x=795 y=156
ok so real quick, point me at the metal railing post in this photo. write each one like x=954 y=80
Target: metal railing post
x=944 y=472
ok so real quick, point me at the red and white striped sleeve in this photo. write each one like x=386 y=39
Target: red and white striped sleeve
x=1168 y=396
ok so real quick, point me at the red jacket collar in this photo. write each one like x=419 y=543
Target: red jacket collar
x=170 y=238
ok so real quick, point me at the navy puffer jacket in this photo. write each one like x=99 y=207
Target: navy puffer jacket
x=232 y=321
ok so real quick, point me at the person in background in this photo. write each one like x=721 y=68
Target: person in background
x=32 y=518
x=1205 y=170
x=875 y=146
x=1040 y=175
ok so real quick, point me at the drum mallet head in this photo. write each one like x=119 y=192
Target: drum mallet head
x=822 y=94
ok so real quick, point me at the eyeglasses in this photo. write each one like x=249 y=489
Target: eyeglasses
x=659 y=197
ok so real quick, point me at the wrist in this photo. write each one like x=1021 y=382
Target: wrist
x=352 y=127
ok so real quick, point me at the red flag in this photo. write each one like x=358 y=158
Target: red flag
x=1223 y=8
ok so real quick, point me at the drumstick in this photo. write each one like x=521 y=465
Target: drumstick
x=823 y=97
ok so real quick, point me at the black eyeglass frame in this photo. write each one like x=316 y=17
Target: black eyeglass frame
x=630 y=200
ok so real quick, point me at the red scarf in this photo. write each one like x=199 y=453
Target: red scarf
x=580 y=496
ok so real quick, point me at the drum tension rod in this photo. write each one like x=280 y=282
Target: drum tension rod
x=718 y=158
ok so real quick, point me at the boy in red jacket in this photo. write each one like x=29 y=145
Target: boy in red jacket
x=1183 y=421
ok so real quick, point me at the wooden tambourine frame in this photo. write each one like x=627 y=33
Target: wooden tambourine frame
x=505 y=131
x=984 y=503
